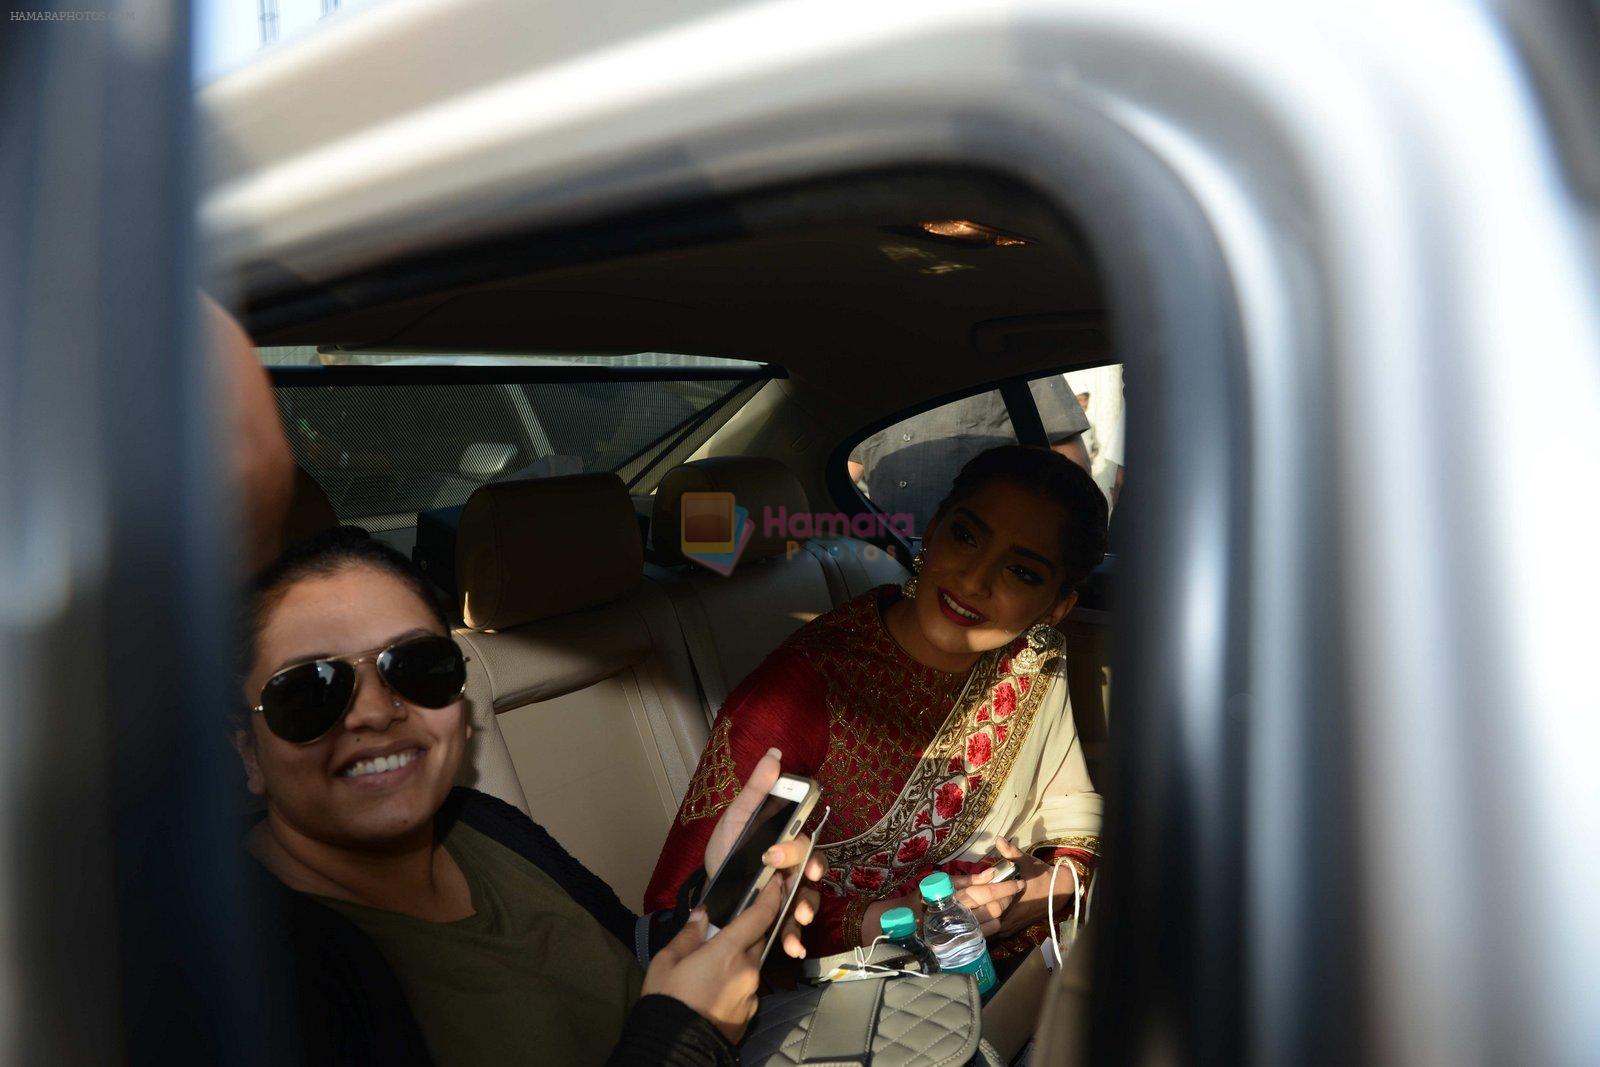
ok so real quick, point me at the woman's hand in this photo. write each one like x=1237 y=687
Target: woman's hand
x=785 y=856
x=746 y=804
x=1033 y=882
x=718 y=978
x=990 y=901
x=872 y=918
x=987 y=901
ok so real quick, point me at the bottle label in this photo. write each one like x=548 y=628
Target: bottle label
x=981 y=968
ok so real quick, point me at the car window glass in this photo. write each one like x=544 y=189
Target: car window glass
x=382 y=453
x=230 y=33
x=907 y=468
x=367 y=356
x=1099 y=390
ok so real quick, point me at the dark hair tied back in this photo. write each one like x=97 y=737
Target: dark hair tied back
x=322 y=556
x=1054 y=477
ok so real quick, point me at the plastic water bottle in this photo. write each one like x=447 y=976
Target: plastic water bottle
x=952 y=933
x=900 y=927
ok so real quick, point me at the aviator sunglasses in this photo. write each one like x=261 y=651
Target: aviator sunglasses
x=303 y=702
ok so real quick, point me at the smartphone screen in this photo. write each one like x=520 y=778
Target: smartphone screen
x=729 y=889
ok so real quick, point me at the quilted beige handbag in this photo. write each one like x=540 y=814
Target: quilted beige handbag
x=894 y=1021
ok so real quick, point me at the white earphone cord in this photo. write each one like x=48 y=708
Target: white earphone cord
x=1078 y=904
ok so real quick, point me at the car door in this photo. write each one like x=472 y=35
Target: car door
x=124 y=929
x=1305 y=235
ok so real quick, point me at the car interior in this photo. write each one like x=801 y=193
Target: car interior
x=525 y=275
x=799 y=322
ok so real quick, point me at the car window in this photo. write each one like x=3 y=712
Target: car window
x=231 y=33
x=1099 y=390
x=907 y=468
x=368 y=356
x=384 y=452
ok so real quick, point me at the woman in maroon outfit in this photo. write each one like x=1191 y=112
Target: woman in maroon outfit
x=935 y=717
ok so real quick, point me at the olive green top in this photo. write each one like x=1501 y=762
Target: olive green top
x=529 y=977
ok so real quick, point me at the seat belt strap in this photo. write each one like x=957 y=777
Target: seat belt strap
x=832 y=571
x=696 y=629
x=677 y=763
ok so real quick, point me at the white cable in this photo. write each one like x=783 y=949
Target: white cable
x=864 y=964
x=1050 y=904
x=864 y=955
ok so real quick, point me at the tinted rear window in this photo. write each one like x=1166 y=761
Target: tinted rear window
x=390 y=450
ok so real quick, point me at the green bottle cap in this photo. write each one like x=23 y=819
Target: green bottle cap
x=936 y=887
x=898 y=923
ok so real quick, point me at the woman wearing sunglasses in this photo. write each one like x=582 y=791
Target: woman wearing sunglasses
x=431 y=924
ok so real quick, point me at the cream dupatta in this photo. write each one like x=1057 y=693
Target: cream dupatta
x=1006 y=762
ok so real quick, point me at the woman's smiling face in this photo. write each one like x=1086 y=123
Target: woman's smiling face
x=329 y=789
x=992 y=567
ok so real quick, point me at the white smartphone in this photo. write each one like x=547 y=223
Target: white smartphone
x=742 y=874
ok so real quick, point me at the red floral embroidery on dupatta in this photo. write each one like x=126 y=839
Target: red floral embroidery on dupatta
x=914 y=848
x=868 y=879
x=948 y=800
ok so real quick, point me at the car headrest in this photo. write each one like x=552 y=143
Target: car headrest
x=761 y=485
x=534 y=549
x=310 y=510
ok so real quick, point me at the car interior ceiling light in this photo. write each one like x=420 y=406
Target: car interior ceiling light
x=971 y=232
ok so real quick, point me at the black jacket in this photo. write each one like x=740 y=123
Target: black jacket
x=347 y=1006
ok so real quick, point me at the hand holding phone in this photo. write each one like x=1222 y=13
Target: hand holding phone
x=740 y=878
x=717 y=977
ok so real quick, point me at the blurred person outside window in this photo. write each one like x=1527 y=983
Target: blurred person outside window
x=1099 y=390
x=907 y=467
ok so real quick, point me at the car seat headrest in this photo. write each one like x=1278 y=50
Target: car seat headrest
x=766 y=487
x=530 y=550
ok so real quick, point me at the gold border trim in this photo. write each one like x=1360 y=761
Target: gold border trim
x=1087 y=842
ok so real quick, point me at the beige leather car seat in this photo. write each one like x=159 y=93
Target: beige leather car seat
x=1088 y=668
x=581 y=666
x=488 y=767
x=732 y=622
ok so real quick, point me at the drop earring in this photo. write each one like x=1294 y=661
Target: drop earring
x=909 y=589
x=1028 y=661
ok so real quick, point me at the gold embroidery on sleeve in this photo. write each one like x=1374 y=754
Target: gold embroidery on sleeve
x=715 y=782
x=855 y=916
x=1087 y=842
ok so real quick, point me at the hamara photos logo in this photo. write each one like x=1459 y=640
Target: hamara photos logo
x=715 y=530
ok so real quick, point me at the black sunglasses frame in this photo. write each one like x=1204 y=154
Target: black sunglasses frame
x=379 y=658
